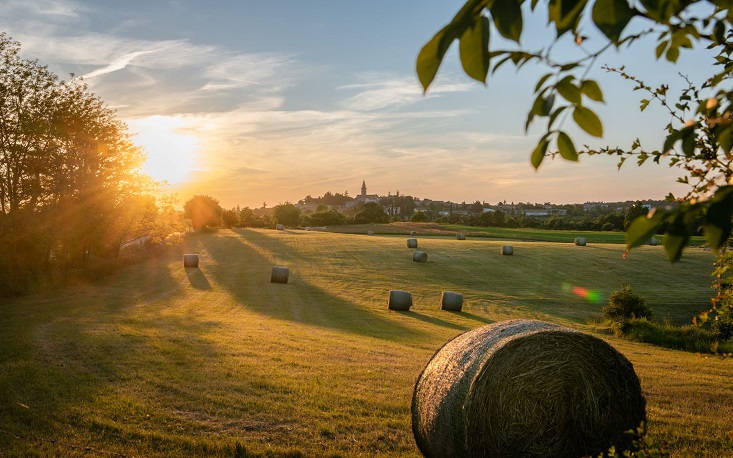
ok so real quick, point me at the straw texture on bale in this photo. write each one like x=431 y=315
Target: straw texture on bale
x=507 y=250
x=420 y=256
x=461 y=237
x=525 y=388
x=411 y=243
x=279 y=275
x=280 y=227
x=190 y=260
x=453 y=302
x=400 y=300
x=580 y=241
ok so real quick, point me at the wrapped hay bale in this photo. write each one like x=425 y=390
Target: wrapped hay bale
x=400 y=300
x=580 y=241
x=420 y=256
x=411 y=243
x=280 y=227
x=190 y=260
x=453 y=302
x=279 y=275
x=507 y=250
x=525 y=388
x=461 y=237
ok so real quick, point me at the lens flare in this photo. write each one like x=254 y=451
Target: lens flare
x=591 y=295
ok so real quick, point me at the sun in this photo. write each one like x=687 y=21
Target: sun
x=171 y=149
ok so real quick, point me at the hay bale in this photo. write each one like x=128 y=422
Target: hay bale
x=411 y=243
x=420 y=256
x=279 y=275
x=453 y=302
x=507 y=250
x=525 y=388
x=654 y=241
x=400 y=300
x=413 y=233
x=190 y=260
x=370 y=232
x=461 y=237
x=580 y=241
x=280 y=227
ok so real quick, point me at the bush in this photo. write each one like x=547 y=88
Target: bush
x=625 y=304
x=686 y=338
x=722 y=326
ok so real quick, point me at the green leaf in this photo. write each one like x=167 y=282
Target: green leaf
x=554 y=115
x=542 y=81
x=673 y=53
x=671 y=140
x=565 y=14
x=588 y=121
x=644 y=104
x=592 y=90
x=568 y=90
x=688 y=141
x=539 y=152
x=474 y=49
x=723 y=136
x=644 y=227
x=431 y=56
x=507 y=16
x=681 y=226
x=548 y=104
x=660 y=48
x=611 y=17
x=718 y=223
x=566 y=147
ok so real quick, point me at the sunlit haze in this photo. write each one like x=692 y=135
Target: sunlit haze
x=270 y=101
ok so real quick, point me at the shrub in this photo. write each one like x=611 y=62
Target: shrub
x=625 y=304
x=722 y=326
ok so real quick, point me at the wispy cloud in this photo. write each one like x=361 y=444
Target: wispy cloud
x=384 y=91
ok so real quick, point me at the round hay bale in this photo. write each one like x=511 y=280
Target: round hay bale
x=413 y=233
x=411 y=243
x=525 y=388
x=461 y=237
x=279 y=275
x=453 y=302
x=370 y=232
x=400 y=300
x=654 y=241
x=280 y=227
x=580 y=241
x=507 y=250
x=420 y=256
x=190 y=260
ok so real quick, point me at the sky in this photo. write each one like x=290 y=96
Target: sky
x=268 y=101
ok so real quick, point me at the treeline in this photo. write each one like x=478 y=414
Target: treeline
x=71 y=190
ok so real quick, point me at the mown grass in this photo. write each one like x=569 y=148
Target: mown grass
x=162 y=361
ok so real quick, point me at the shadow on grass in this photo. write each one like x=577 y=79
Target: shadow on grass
x=433 y=320
x=244 y=270
x=197 y=278
x=474 y=317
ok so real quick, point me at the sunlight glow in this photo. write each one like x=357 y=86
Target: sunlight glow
x=171 y=148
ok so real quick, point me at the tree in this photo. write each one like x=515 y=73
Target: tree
x=634 y=212
x=701 y=146
x=287 y=214
x=69 y=173
x=371 y=213
x=203 y=211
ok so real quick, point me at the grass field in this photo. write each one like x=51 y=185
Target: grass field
x=163 y=361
